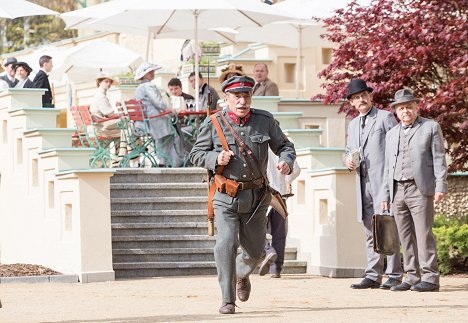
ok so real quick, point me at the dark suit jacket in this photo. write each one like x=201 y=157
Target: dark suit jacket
x=41 y=81
x=28 y=84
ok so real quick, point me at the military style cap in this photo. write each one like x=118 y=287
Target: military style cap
x=238 y=84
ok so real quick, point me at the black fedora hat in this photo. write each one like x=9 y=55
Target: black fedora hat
x=356 y=86
x=25 y=66
x=403 y=96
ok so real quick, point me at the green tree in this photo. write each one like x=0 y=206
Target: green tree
x=21 y=33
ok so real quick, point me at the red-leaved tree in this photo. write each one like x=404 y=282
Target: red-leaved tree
x=417 y=44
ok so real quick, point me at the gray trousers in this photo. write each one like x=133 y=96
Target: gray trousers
x=375 y=261
x=232 y=231
x=414 y=216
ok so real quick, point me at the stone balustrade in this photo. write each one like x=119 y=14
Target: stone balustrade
x=55 y=210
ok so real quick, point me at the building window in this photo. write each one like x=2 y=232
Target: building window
x=326 y=56
x=289 y=72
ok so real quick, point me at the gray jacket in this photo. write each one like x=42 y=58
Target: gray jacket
x=426 y=146
x=373 y=154
x=149 y=94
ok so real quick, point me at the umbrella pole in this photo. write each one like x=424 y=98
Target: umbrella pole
x=298 y=60
x=197 y=79
x=148 y=45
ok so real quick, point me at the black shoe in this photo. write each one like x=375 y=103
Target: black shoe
x=425 y=287
x=366 y=283
x=401 y=287
x=227 y=308
x=390 y=283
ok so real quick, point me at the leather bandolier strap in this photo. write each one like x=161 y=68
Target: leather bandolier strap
x=220 y=169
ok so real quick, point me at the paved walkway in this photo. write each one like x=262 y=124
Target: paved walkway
x=293 y=298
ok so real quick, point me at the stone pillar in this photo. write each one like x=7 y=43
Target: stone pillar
x=323 y=223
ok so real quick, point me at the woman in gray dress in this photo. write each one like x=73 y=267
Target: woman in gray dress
x=168 y=143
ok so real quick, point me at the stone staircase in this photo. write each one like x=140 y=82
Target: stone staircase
x=159 y=224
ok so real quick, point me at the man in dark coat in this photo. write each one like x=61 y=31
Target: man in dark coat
x=41 y=81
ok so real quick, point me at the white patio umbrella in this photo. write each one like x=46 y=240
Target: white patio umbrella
x=12 y=9
x=82 y=63
x=162 y=16
x=302 y=32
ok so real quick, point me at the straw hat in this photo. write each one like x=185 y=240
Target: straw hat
x=145 y=68
x=231 y=69
x=103 y=76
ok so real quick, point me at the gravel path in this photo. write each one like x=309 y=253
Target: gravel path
x=293 y=298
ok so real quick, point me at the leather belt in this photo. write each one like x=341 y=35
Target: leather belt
x=406 y=180
x=256 y=183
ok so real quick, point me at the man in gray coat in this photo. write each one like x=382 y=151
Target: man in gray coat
x=365 y=153
x=416 y=174
x=240 y=213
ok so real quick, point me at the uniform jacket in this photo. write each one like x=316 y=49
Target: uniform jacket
x=259 y=133
x=373 y=154
x=149 y=94
x=267 y=88
x=41 y=81
x=426 y=147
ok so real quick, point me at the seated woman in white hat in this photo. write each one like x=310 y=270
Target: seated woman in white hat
x=101 y=109
x=169 y=146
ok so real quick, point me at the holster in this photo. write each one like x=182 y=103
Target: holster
x=220 y=182
x=227 y=186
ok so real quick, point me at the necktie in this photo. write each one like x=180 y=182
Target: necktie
x=363 y=121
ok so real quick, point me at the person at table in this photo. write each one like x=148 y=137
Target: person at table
x=208 y=97
x=168 y=143
x=178 y=97
x=102 y=110
x=23 y=70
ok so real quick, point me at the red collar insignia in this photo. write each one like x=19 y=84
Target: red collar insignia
x=237 y=120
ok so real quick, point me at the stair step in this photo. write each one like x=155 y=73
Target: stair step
x=171 y=228
x=159 y=203
x=158 y=189
x=186 y=268
x=158 y=216
x=174 y=254
x=163 y=241
x=160 y=175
